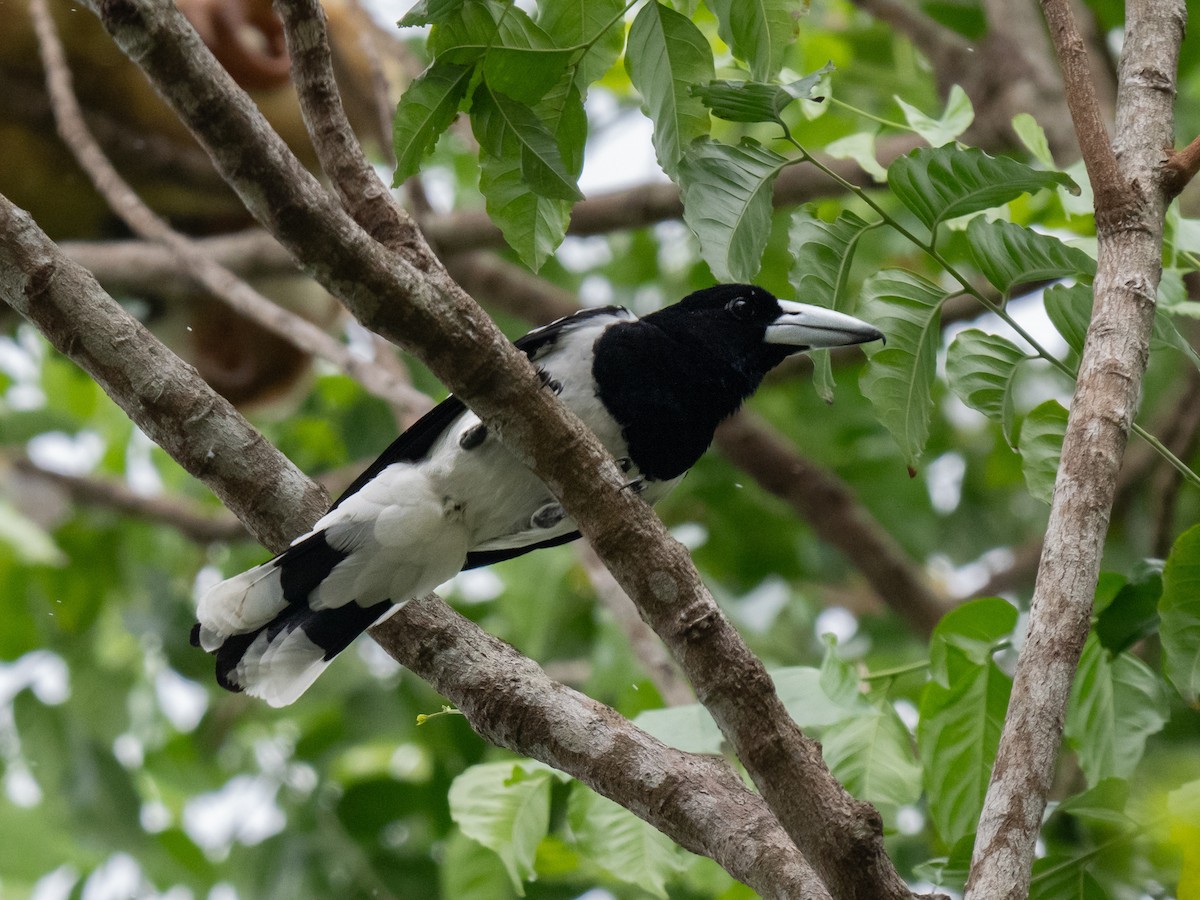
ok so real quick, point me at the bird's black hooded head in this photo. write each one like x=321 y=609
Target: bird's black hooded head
x=671 y=377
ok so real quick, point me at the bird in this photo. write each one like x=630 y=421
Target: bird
x=447 y=495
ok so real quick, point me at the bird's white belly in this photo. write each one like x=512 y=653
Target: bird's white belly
x=504 y=505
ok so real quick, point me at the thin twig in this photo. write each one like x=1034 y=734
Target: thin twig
x=1111 y=190
x=220 y=281
x=189 y=519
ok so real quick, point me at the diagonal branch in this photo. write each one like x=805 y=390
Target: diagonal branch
x=1111 y=189
x=358 y=187
x=1129 y=224
x=233 y=291
x=204 y=434
x=430 y=314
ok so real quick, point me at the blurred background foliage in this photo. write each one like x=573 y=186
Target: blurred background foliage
x=127 y=772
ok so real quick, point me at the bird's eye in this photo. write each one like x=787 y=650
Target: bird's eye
x=740 y=307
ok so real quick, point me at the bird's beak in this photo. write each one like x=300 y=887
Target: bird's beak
x=810 y=327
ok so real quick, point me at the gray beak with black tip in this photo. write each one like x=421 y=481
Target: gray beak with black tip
x=807 y=327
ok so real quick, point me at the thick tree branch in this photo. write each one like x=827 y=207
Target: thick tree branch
x=169 y=401
x=1131 y=200
x=428 y=313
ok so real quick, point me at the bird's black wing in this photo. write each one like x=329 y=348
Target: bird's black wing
x=532 y=344
x=413 y=445
x=540 y=338
x=477 y=558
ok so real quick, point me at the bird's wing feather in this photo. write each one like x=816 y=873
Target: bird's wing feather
x=411 y=446
x=416 y=442
x=540 y=339
x=477 y=558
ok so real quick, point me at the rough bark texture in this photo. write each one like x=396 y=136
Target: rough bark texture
x=1131 y=199
x=429 y=314
x=591 y=741
x=171 y=403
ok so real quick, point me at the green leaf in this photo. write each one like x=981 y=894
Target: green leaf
x=425 y=111
x=501 y=124
x=1059 y=876
x=1116 y=703
x=688 y=727
x=523 y=74
x=430 y=12
x=1179 y=612
x=871 y=754
x=859 y=147
x=463 y=32
x=573 y=23
x=757 y=31
x=667 y=54
x=505 y=806
x=981 y=369
x=821 y=256
x=946 y=182
x=1010 y=255
x=1040 y=446
x=1034 y=138
x=756 y=101
x=839 y=678
x=956 y=118
x=957 y=736
x=974 y=630
x=626 y=847
x=727 y=203
x=471 y=872
x=1103 y=803
x=1132 y=613
x=1070 y=311
x=25 y=540
x=806 y=694
x=898 y=379
x=522 y=61
x=533 y=224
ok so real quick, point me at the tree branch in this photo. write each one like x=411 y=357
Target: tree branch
x=1111 y=190
x=230 y=289
x=1181 y=167
x=363 y=195
x=835 y=514
x=169 y=402
x=188 y=519
x=1131 y=200
x=428 y=313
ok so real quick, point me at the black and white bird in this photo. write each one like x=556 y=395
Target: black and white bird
x=448 y=496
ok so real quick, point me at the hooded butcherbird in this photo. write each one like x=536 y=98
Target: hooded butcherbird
x=448 y=496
